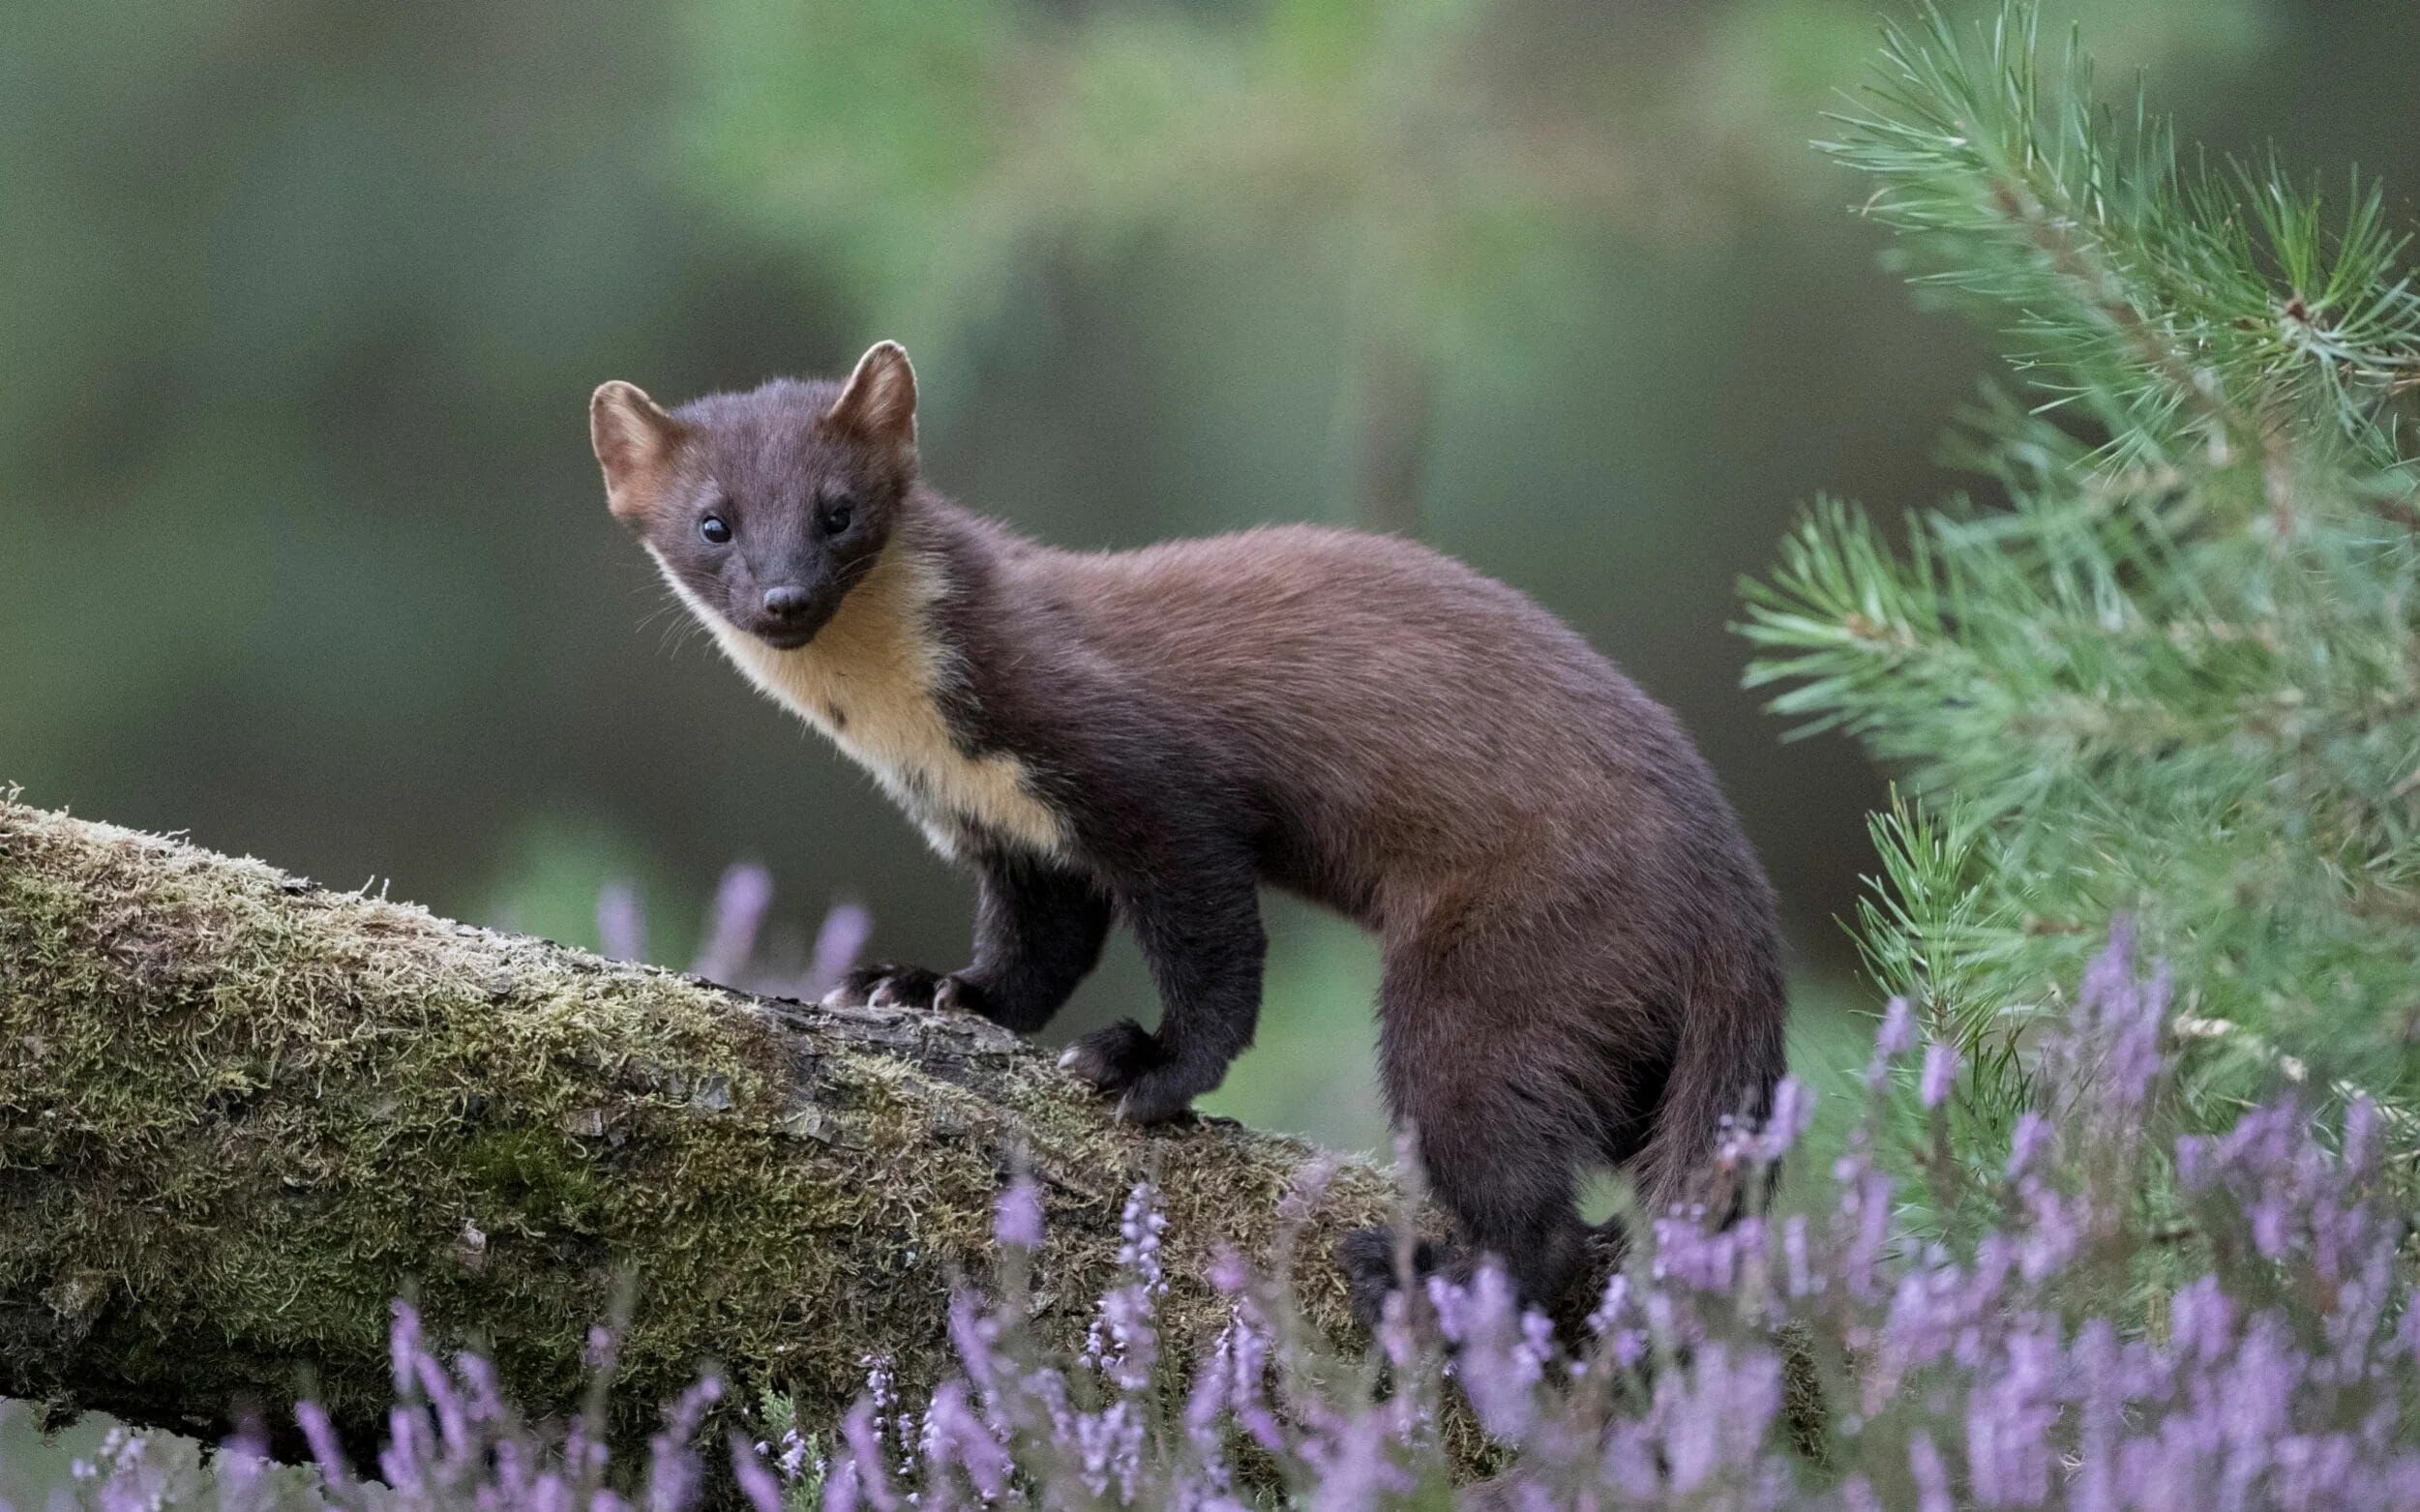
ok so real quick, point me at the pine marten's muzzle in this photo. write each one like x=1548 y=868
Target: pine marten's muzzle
x=788 y=614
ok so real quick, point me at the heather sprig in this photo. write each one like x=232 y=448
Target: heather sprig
x=2254 y=1345
x=1830 y=1357
x=736 y=947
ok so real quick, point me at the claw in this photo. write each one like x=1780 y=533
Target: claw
x=1144 y=1112
x=887 y=985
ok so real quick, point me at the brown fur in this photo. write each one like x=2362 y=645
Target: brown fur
x=1581 y=958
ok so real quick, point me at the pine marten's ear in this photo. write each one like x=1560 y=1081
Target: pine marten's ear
x=635 y=442
x=879 y=403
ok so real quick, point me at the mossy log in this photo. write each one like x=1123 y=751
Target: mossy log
x=239 y=1113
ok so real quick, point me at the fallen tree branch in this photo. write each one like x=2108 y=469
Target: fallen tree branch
x=239 y=1113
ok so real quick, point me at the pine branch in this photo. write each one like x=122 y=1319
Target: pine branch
x=2176 y=673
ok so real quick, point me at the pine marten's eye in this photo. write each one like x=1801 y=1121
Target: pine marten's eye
x=836 y=517
x=714 y=530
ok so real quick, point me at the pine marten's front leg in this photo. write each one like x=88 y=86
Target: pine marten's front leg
x=1039 y=930
x=1200 y=928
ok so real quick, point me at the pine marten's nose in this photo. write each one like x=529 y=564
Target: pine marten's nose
x=785 y=602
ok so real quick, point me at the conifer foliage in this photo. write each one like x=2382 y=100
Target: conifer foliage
x=2171 y=669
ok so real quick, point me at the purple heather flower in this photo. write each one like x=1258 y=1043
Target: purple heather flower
x=1244 y=1355
x=1017 y=1216
x=1898 y=1034
x=1804 y=1282
x=868 y=1477
x=1109 y=1444
x=602 y=1350
x=2027 y=1143
x=453 y=1428
x=2360 y=1150
x=320 y=1435
x=2202 y=1322
x=673 y=1471
x=405 y=1455
x=1612 y=1305
x=1865 y=1205
x=241 y=1468
x=1207 y=1406
x=733 y=922
x=2054 y=1233
x=838 y=943
x=1719 y=1413
x=755 y=1481
x=974 y=1337
x=1631 y=1463
x=621 y=932
x=1933 y=1478
x=2009 y=1417
x=796 y=1451
x=1793 y=1109
x=403 y=1351
x=840 y=1488
x=1497 y=1363
x=1122 y=1342
x=481 y=1397
x=1357 y=1469
x=953 y=1436
x=1940 y=1074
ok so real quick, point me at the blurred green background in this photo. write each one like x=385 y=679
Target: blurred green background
x=302 y=549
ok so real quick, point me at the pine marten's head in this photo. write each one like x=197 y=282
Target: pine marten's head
x=766 y=507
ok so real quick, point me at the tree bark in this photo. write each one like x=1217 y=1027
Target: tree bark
x=239 y=1113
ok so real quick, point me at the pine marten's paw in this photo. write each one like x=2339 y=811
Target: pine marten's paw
x=1129 y=1062
x=887 y=984
x=1371 y=1271
x=1114 y=1059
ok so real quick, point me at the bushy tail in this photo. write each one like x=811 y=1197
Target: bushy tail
x=1729 y=1053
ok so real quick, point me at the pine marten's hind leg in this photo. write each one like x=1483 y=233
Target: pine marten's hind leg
x=1483 y=1077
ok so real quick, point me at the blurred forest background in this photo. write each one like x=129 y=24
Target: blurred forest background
x=302 y=549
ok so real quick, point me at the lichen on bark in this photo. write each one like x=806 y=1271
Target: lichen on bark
x=239 y=1113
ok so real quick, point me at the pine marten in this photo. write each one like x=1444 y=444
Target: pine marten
x=1581 y=957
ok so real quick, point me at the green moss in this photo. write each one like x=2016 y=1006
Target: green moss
x=238 y=1116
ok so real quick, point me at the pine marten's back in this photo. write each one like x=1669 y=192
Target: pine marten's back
x=1399 y=708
